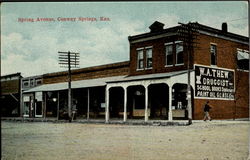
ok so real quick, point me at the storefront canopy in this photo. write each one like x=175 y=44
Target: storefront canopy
x=74 y=84
x=102 y=81
x=148 y=76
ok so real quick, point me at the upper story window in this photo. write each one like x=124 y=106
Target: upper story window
x=169 y=54
x=213 y=54
x=38 y=82
x=26 y=83
x=144 y=58
x=242 y=59
x=140 y=59
x=179 y=52
x=149 y=58
x=32 y=83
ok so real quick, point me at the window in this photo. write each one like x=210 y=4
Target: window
x=169 y=54
x=242 y=59
x=179 y=52
x=26 y=83
x=38 y=82
x=213 y=52
x=149 y=58
x=140 y=59
x=32 y=82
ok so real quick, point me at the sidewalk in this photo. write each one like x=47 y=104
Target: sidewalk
x=120 y=121
x=101 y=121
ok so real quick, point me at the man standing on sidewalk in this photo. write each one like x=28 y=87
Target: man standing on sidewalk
x=206 y=111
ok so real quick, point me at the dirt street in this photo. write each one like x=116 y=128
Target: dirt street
x=216 y=140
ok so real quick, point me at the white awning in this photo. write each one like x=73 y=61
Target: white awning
x=148 y=76
x=74 y=84
x=242 y=55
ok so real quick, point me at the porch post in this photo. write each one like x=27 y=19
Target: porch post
x=107 y=105
x=45 y=104
x=146 y=103
x=21 y=98
x=170 y=115
x=125 y=105
x=88 y=106
x=58 y=105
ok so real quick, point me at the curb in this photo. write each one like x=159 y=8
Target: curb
x=150 y=123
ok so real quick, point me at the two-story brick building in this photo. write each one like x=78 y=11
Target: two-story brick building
x=153 y=83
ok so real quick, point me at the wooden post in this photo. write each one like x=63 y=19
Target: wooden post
x=170 y=114
x=69 y=89
x=125 y=105
x=146 y=103
x=45 y=104
x=107 y=105
x=58 y=103
x=88 y=105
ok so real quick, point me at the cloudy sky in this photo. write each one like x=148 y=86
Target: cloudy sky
x=32 y=47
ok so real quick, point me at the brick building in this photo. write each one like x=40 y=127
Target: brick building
x=153 y=83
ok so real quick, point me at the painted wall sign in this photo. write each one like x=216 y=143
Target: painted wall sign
x=26 y=98
x=214 y=83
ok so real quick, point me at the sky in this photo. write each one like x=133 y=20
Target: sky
x=32 y=47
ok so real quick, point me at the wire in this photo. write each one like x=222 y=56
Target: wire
x=228 y=21
x=236 y=19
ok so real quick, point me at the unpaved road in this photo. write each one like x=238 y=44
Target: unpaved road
x=216 y=140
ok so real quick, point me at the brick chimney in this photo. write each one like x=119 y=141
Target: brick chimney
x=156 y=27
x=224 y=27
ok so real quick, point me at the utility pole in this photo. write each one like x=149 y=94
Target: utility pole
x=187 y=33
x=189 y=87
x=71 y=60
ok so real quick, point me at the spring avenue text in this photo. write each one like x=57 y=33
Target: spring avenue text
x=64 y=19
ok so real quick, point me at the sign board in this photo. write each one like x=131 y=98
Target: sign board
x=26 y=98
x=39 y=96
x=103 y=105
x=214 y=83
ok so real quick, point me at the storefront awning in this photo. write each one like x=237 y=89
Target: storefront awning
x=148 y=76
x=74 y=84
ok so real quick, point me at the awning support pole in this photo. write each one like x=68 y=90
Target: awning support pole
x=107 y=106
x=14 y=97
x=125 y=105
x=45 y=104
x=88 y=105
x=170 y=114
x=146 y=103
x=58 y=105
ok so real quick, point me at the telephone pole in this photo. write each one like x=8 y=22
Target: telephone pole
x=188 y=33
x=70 y=60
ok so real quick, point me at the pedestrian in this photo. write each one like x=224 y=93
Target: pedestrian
x=206 y=111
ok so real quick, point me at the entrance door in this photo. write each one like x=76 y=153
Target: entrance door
x=28 y=105
x=38 y=109
x=38 y=104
